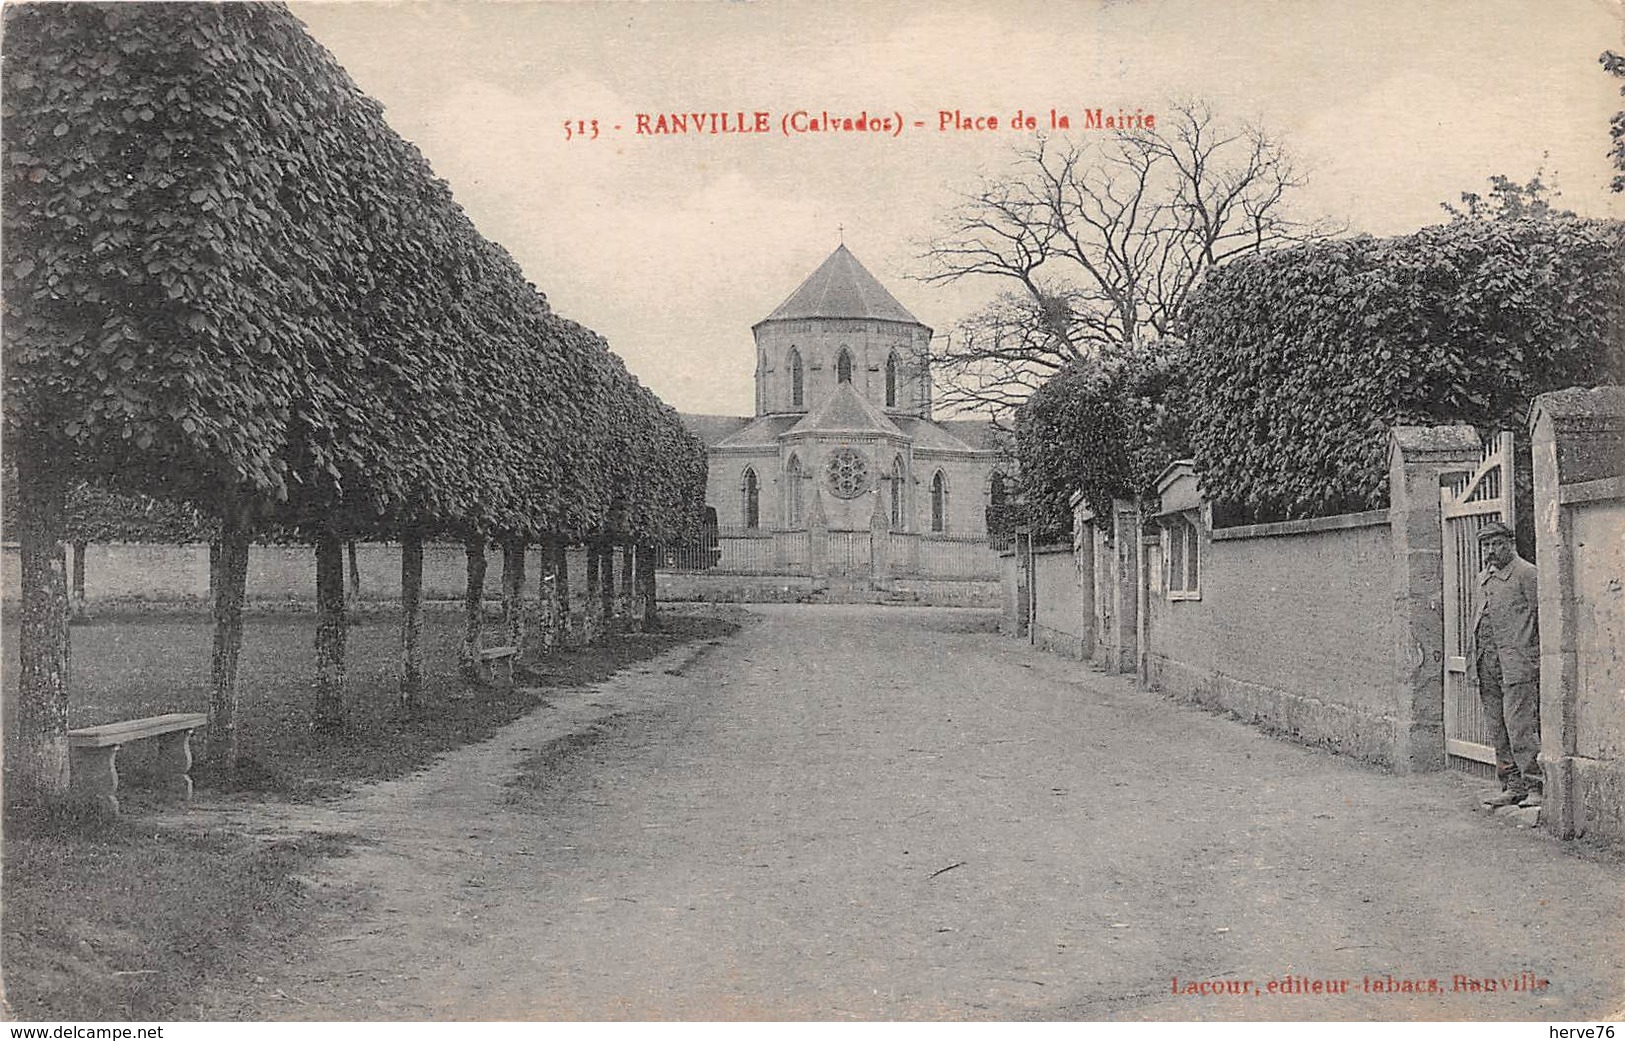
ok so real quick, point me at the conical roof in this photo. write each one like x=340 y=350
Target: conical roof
x=847 y=412
x=841 y=288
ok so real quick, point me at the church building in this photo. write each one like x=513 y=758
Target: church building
x=843 y=468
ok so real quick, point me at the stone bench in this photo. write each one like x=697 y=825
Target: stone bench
x=93 y=773
x=491 y=656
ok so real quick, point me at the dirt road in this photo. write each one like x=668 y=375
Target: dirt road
x=884 y=813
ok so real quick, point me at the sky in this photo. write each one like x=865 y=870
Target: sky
x=672 y=246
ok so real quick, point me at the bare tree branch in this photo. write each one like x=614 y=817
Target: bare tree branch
x=1098 y=245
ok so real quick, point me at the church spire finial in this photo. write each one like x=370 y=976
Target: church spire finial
x=840 y=231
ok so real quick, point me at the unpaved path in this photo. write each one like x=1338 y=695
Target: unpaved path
x=882 y=813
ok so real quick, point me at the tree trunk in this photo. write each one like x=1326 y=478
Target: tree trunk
x=411 y=620
x=513 y=591
x=592 y=608
x=77 y=588
x=628 y=588
x=639 y=607
x=646 y=579
x=330 y=633
x=561 y=593
x=547 y=625
x=473 y=609
x=354 y=592
x=43 y=650
x=608 y=579
x=230 y=580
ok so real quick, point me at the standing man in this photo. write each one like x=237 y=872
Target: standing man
x=1505 y=656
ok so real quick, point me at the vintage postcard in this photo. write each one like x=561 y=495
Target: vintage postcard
x=788 y=511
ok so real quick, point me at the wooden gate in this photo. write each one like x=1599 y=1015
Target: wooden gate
x=1467 y=503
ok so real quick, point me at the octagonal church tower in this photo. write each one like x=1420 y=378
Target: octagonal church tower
x=842 y=326
x=843 y=449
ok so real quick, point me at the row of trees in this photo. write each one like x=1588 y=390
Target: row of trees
x=230 y=284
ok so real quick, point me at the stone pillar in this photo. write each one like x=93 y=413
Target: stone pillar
x=817 y=538
x=1576 y=436
x=1083 y=562
x=1142 y=610
x=1125 y=624
x=879 y=544
x=1419 y=458
x=1022 y=565
x=1104 y=603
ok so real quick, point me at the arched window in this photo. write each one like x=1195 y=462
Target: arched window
x=751 y=493
x=794 y=478
x=796 y=386
x=899 y=516
x=996 y=490
x=939 y=502
x=843 y=366
x=891 y=380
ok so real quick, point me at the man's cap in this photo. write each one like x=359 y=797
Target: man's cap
x=1493 y=529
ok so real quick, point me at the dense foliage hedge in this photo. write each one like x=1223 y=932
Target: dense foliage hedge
x=226 y=279
x=1300 y=359
x=1105 y=431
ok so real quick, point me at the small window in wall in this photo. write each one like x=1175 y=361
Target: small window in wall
x=797 y=380
x=843 y=366
x=792 y=496
x=1182 y=556
x=891 y=380
x=939 y=502
x=751 y=494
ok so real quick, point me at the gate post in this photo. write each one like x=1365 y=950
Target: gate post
x=1125 y=587
x=1578 y=450
x=1023 y=557
x=1083 y=562
x=1418 y=459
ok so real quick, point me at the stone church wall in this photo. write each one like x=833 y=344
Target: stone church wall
x=820 y=341
x=724 y=487
x=967 y=494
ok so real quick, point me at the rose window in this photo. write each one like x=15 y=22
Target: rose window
x=848 y=474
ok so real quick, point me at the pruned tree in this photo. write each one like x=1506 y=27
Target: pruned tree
x=1096 y=246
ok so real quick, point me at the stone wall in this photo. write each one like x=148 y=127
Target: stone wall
x=735 y=589
x=1012 y=594
x=713 y=587
x=1292 y=630
x=1327 y=630
x=1062 y=610
x=141 y=572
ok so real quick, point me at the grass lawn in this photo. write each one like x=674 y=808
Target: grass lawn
x=116 y=920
